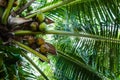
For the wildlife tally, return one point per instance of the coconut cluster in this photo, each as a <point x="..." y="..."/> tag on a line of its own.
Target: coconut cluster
<point x="39" y="24"/>
<point x="40" y="45"/>
<point x="17" y="22"/>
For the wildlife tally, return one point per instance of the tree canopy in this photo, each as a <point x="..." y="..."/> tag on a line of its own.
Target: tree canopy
<point x="60" y="39"/>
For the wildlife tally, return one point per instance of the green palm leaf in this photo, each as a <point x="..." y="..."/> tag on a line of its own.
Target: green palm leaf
<point x="93" y="17"/>
<point x="93" y="53"/>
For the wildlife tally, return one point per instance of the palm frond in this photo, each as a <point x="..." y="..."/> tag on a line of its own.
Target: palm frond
<point x="9" y="56"/>
<point x="96" y="17"/>
<point x="72" y="68"/>
<point x="78" y="57"/>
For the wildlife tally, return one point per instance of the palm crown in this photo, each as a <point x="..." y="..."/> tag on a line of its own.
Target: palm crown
<point x="85" y="35"/>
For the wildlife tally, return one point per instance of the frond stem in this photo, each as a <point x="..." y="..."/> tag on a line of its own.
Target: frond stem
<point x="87" y="67"/>
<point x="7" y="12"/>
<point x="95" y="37"/>
<point x="51" y="7"/>
<point x="42" y="57"/>
<point x="36" y="67"/>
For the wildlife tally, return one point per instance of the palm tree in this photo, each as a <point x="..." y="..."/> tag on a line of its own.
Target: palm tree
<point x="85" y="35"/>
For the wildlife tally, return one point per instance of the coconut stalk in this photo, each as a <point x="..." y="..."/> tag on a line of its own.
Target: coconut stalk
<point x="7" y="12"/>
<point x="95" y="37"/>
<point x="24" y="7"/>
<point x="34" y="65"/>
<point x="42" y="57"/>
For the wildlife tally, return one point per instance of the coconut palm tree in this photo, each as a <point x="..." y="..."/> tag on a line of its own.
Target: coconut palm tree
<point x="85" y="35"/>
